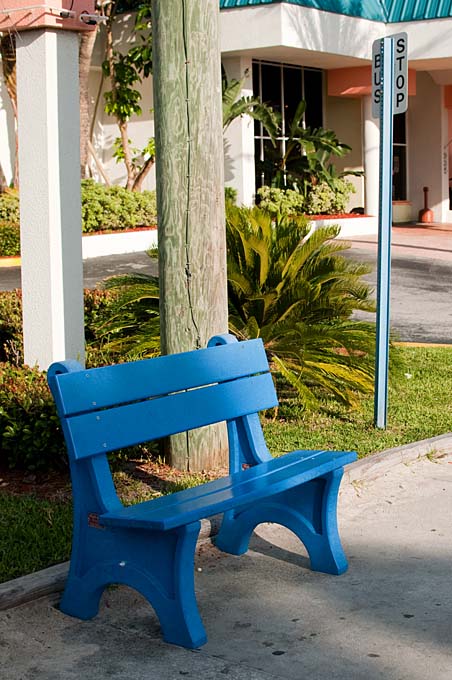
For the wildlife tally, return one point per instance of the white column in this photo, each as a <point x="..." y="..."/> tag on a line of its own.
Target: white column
<point x="50" y="205"/>
<point x="371" y="157"/>
<point x="239" y="170"/>
<point x="444" y="214"/>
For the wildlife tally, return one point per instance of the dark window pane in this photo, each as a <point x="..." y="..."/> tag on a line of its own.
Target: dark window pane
<point x="271" y="86"/>
<point x="256" y="79"/>
<point x="313" y="94"/>
<point x="257" y="93"/>
<point x="298" y="83"/>
<point x="258" y="164"/>
<point x="399" y="130"/>
<point x="265" y="164"/>
<point x="292" y="94"/>
<point x="399" y="174"/>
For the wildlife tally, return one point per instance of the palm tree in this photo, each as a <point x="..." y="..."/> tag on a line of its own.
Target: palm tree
<point x="133" y="327"/>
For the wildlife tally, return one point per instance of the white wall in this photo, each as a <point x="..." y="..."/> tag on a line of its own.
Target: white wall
<point x="239" y="170"/>
<point x="425" y="145"/>
<point x="278" y="26"/>
<point x="105" y="131"/>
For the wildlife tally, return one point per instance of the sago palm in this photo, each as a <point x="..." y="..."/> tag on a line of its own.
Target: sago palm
<point x="297" y="292"/>
<point x="133" y="329"/>
<point x="292" y="288"/>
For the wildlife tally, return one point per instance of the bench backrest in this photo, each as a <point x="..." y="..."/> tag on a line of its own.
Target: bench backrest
<point x="113" y="407"/>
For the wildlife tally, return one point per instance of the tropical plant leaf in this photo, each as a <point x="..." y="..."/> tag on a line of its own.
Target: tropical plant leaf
<point x="235" y="106"/>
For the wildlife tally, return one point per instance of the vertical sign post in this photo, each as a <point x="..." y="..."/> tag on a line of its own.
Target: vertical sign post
<point x="389" y="96"/>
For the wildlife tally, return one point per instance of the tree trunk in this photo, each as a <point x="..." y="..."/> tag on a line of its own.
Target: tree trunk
<point x="143" y="173"/>
<point x="87" y="40"/>
<point x="190" y="195"/>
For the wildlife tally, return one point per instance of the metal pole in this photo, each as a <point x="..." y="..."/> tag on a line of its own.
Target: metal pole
<point x="384" y="234"/>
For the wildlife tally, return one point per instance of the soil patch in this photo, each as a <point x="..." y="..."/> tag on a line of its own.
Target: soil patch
<point x="133" y="479"/>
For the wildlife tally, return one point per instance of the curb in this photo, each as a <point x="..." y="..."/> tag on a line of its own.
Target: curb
<point x="103" y="244"/>
<point x="10" y="261"/>
<point x="379" y="464"/>
<point x="51" y="580"/>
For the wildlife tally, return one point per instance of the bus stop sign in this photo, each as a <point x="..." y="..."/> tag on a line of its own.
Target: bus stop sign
<point x="400" y="98"/>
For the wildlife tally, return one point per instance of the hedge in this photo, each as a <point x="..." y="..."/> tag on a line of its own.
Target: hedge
<point x="30" y="434"/>
<point x="103" y="209"/>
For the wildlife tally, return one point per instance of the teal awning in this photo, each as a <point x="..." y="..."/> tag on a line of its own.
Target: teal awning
<point x="387" y="11"/>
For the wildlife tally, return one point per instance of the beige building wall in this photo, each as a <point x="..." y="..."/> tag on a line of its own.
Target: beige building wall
<point x="343" y="115"/>
<point x="425" y="145"/>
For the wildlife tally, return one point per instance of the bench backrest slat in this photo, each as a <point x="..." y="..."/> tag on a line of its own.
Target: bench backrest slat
<point x="127" y="425"/>
<point x="87" y="390"/>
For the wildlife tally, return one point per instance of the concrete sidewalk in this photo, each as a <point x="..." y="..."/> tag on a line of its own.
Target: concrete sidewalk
<point x="433" y="242"/>
<point x="268" y="616"/>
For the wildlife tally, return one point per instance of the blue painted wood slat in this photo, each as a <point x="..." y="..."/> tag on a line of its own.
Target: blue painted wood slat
<point x="111" y="385"/>
<point x="242" y="488"/>
<point x="116" y="428"/>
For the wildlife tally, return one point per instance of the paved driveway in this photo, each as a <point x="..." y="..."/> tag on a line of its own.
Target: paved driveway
<point x="421" y="292"/>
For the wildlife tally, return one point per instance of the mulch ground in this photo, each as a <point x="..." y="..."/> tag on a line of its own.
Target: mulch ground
<point x="133" y="476"/>
<point x="50" y="486"/>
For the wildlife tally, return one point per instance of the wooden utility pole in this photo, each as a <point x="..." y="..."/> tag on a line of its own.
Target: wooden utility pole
<point x="190" y="195"/>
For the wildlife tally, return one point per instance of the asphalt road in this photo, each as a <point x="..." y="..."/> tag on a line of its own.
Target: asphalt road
<point x="421" y="296"/>
<point x="95" y="270"/>
<point x="421" y="287"/>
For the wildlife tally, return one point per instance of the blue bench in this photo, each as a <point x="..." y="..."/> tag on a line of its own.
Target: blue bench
<point x="150" y="546"/>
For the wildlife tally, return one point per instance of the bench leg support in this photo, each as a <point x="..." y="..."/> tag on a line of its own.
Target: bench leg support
<point x="160" y="565"/>
<point x="309" y="510"/>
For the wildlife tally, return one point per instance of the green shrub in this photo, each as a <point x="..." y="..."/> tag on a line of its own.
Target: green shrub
<point x="9" y="239"/>
<point x="103" y="209"/>
<point x="98" y="310"/>
<point x="9" y="206"/>
<point x="323" y="200"/>
<point x="230" y="195"/>
<point x="11" y="344"/>
<point x="281" y="201"/>
<point x="98" y="305"/>
<point x="115" y="208"/>
<point x="30" y="433"/>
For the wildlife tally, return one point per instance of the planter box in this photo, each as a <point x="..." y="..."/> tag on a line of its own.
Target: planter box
<point x="402" y="212"/>
<point x="119" y="242"/>
<point x="351" y="225"/>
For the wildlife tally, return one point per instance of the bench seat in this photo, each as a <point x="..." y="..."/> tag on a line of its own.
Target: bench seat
<point x="233" y="491"/>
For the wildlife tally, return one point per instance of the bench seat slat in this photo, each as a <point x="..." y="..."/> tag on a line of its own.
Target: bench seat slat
<point x="108" y="386"/>
<point x="222" y="483"/>
<point x="116" y="428"/>
<point x="233" y="491"/>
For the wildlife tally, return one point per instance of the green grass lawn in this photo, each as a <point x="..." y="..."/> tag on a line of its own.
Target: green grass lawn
<point x="419" y="406"/>
<point x="35" y="533"/>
